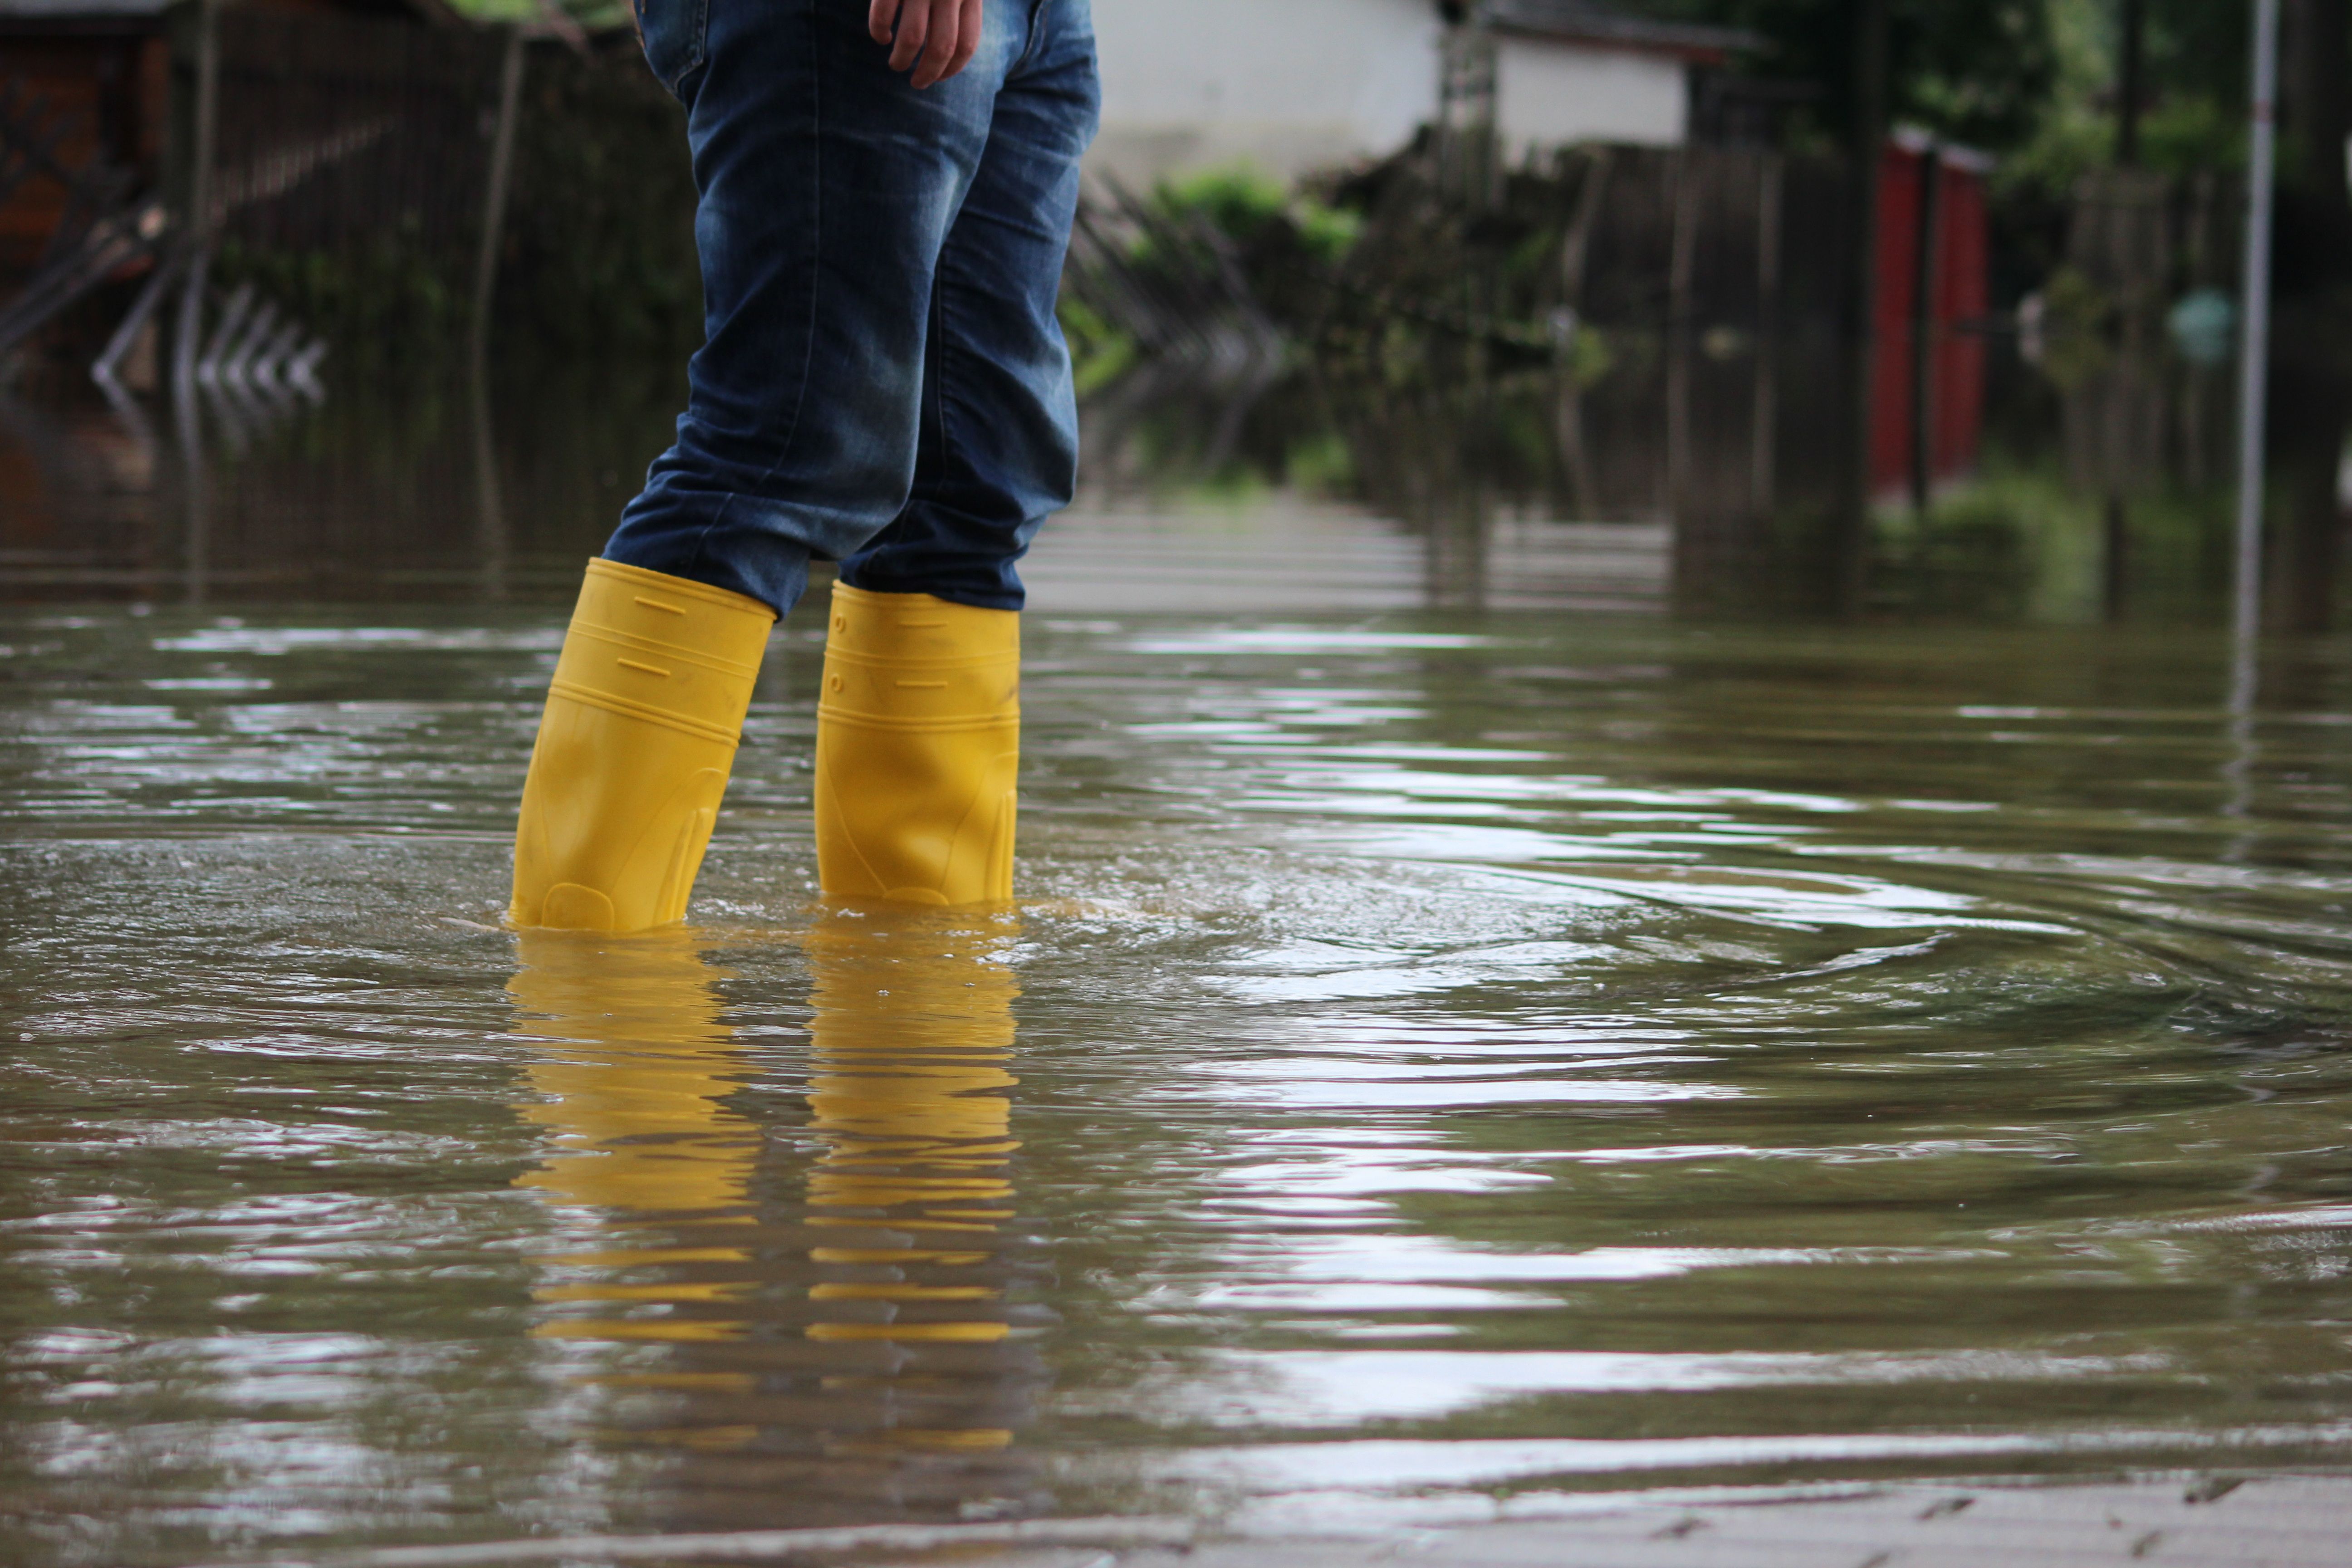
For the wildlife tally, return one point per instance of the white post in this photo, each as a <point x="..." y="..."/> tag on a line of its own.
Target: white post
<point x="2254" y="358"/>
<point x="2254" y="409"/>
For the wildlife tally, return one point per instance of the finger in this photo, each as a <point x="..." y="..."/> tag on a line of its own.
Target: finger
<point x="914" y="27"/>
<point x="882" y="19"/>
<point x="967" y="39"/>
<point x="945" y="29"/>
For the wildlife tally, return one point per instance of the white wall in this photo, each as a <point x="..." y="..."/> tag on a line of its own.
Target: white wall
<point x="1293" y="84"/>
<point x="1296" y="85"/>
<point x="1551" y="94"/>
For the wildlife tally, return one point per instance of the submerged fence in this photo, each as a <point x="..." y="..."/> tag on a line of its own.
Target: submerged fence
<point x="381" y="179"/>
<point x="1712" y="273"/>
<point x="1721" y="274"/>
<point x="352" y="157"/>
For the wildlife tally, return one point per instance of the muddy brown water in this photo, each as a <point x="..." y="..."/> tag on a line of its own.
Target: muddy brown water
<point x="1553" y="1046"/>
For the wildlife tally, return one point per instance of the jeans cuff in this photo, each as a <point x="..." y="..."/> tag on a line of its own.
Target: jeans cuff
<point x="761" y="565"/>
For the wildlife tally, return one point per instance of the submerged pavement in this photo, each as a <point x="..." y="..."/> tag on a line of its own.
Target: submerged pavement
<point x="2175" y="1519"/>
<point x="2194" y="1520"/>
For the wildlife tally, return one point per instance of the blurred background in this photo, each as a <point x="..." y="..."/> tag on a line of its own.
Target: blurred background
<point x="1709" y="305"/>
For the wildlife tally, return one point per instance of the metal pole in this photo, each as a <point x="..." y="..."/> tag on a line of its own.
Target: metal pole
<point x="2254" y="358"/>
<point x="1681" y="320"/>
<point x="2254" y="409"/>
<point x="1765" y="410"/>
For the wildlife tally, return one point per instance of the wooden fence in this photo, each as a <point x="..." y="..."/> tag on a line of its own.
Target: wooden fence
<point x="347" y="164"/>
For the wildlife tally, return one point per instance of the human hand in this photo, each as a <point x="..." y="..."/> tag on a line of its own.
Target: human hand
<point x="933" y="38"/>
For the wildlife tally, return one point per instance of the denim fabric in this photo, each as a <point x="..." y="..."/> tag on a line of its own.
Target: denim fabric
<point x="884" y="382"/>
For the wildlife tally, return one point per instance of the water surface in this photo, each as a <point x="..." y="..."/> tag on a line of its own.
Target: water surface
<point x="1435" y="1053"/>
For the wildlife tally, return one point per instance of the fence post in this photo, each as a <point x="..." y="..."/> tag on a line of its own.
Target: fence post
<point x="203" y="144"/>
<point x="1766" y="410"/>
<point x="1576" y="247"/>
<point x="1683" y="175"/>
<point x="1926" y="339"/>
<point x="492" y="519"/>
<point x="494" y="198"/>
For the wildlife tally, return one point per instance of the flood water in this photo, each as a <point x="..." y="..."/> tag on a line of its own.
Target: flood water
<point x="1474" y="1026"/>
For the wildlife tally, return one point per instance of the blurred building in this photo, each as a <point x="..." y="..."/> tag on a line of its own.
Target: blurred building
<point x="1307" y="84"/>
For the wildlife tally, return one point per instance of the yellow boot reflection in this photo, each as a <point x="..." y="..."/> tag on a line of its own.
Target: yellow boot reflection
<point x="912" y="1036"/>
<point x="631" y="1071"/>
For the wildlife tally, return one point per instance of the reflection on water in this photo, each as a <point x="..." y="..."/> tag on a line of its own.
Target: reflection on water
<point x="850" y="1336"/>
<point x="1686" y="472"/>
<point x="630" y="1080"/>
<point x="434" y="490"/>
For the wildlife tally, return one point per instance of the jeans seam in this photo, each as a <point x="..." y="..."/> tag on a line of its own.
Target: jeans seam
<point x="699" y="31"/>
<point x="943" y="346"/>
<point x="808" y="335"/>
<point x="701" y="44"/>
<point x="1029" y="46"/>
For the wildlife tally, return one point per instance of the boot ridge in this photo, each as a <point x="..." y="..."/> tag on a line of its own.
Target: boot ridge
<point x="646" y="712"/>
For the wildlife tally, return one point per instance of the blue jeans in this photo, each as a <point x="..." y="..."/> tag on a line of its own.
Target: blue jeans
<point x="883" y="383"/>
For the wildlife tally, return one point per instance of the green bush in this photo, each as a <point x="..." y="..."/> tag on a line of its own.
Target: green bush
<point x="1099" y="353"/>
<point x="387" y="305"/>
<point x="1246" y="203"/>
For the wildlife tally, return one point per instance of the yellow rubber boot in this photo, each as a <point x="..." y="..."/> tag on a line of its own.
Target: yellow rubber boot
<point x="918" y="743"/>
<point x="634" y="750"/>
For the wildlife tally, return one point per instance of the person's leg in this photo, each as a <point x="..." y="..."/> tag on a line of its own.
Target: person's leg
<point x="999" y="448"/>
<point x="919" y="729"/>
<point x="829" y="184"/>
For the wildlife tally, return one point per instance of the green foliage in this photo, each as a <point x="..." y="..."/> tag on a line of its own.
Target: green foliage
<point x="1320" y="463"/>
<point x="1971" y="554"/>
<point x="388" y="305"/>
<point x="592" y="14"/>
<point x="2032" y="80"/>
<point x="2197" y="49"/>
<point x="2078" y="325"/>
<point x="1591" y="356"/>
<point x="1099" y="353"/>
<point x="2021" y="542"/>
<point x="2192" y="112"/>
<point x="1329" y="233"/>
<point x="1974" y="71"/>
<point x="2187" y="132"/>
<point x="1244" y="201"/>
<point x="1240" y="199"/>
